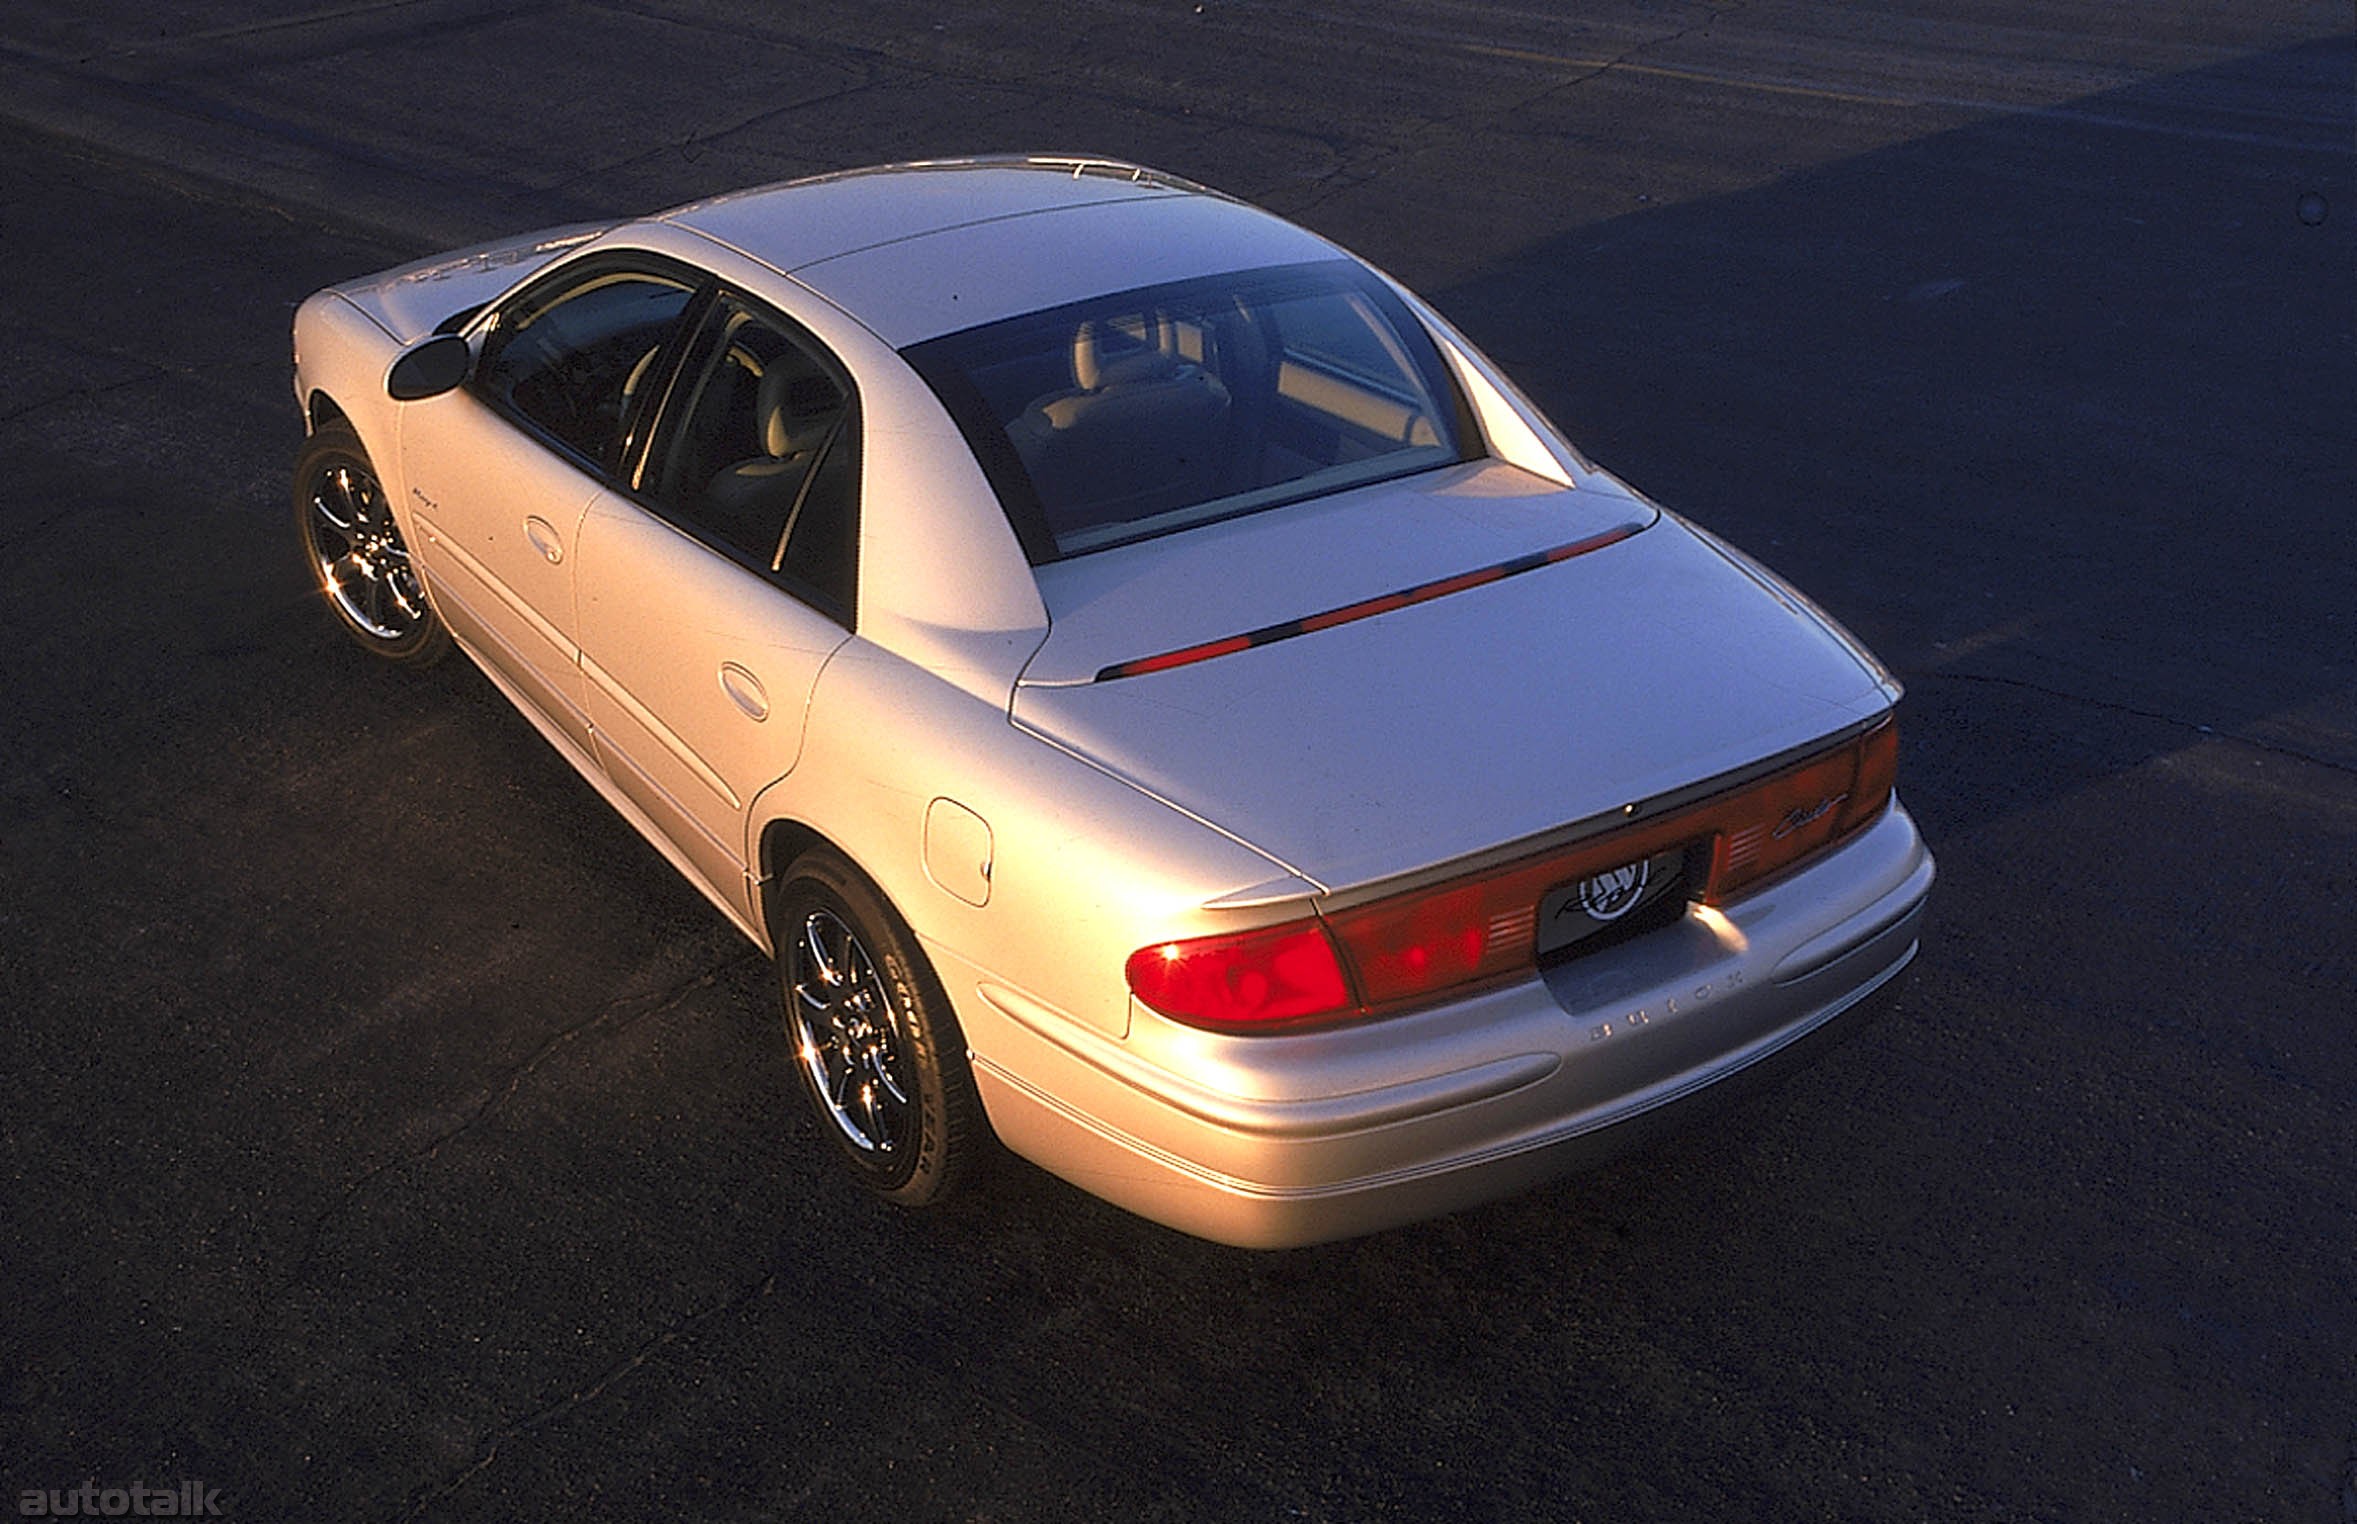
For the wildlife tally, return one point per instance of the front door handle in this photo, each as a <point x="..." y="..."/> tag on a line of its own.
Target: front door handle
<point x="744" y="690"/>
<point x="543" y="536"/>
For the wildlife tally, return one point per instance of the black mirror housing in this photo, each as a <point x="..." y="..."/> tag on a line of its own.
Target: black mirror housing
<point x="429" y="369"/>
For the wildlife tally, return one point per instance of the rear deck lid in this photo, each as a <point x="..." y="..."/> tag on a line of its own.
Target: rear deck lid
<point x="1262" y="675"/>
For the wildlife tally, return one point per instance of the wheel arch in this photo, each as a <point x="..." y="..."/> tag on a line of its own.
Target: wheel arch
<point x="320" y="410"/>
<point x="340" y="361"/>
<point x="783" y="840"/>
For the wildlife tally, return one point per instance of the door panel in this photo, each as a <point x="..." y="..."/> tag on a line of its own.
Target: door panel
<point x="501" y="470"/>
<point x="700" y="599"/>
<point x="498" y="514"/>
<point x="680" y="646"/>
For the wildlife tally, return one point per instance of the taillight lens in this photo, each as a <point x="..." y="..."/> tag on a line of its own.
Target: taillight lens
<point x="1772" y="825"/>
<point x="1458" y="936"/>
<point x="1430" y="944"/>
<point x="1276" y="976"/>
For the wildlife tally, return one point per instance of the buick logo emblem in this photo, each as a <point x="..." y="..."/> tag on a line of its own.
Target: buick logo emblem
<point x="1613" y="893"/>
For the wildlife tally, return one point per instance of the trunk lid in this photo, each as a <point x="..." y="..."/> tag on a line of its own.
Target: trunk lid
<point x="1402" y="739"/>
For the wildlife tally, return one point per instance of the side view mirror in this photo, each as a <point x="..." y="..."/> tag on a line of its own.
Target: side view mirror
<point x="429" y="369"/>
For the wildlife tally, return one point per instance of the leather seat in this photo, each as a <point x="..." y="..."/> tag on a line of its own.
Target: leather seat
<point x="793" y="414"/>
<point x="1142" y="430"/>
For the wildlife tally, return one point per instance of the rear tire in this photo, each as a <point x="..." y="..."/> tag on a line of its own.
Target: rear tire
<point x="876" y="1046"/>
<point x="356" y="554"/>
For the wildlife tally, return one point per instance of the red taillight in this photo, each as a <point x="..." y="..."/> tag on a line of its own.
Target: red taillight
<point x="1878" y="776"/>
<point x="1455" y="937"/>
<point x="1425" y="945"/>
<point x="1773" y="824"/>
<point x="1276" y="976"/>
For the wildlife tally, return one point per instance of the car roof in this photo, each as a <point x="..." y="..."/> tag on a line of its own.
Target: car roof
<point x="918" y="250"/>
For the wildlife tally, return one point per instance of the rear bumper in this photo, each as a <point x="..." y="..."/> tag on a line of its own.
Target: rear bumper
<point x="1294" y="1140"/>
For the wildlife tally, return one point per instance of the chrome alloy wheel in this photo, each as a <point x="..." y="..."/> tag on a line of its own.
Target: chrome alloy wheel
<point x="848" y="1038"/>
<point x="359" y="555"/>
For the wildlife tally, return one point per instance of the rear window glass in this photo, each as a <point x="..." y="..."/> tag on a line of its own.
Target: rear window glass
<point x="1151" y="411"/>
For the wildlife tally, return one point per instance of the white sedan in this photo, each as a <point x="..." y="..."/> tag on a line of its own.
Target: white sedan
<point x="1163" y="698"/>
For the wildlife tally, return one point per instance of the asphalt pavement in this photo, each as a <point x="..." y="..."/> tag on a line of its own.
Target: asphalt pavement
<point x="389" y="1135"/>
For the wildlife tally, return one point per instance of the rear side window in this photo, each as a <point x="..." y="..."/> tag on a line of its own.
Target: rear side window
<point x="572" y="360"/>
<point x="759" y="450"/>
<point x="1155" y="410"/>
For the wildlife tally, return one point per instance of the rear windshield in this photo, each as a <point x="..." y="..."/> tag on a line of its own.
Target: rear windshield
<point x="1134" y="415"/>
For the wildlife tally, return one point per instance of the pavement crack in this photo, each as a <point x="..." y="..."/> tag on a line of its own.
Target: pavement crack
<point x="621" y="1014"/>
<point x="87" y="393"/>
<point x="1349" y="172"/>
<point x="693" y="144"/>
<point x="487" y="1449"/>
<point x="2114" y="706"/>
<point x="1594" y="69"/>
<point x="237" y="32"/>
<point x="38" y="527"/>
<point x="40" y="776"/>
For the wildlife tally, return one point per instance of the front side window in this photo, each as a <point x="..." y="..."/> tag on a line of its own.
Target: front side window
<point x="758" y="454"/>
<point x="571" y="360"/>
<point x="1124" y="417"/>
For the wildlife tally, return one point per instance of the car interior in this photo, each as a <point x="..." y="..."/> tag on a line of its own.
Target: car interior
<point x="761" y="413"/>
<point x="1140" y="414"/>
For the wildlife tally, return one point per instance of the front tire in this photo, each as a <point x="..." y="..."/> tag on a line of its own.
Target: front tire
<point x="356" y="554"/>
<point x="878" y="1050"/>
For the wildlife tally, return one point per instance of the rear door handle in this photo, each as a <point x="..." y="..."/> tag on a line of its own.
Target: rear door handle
<point x="744" y="690"/>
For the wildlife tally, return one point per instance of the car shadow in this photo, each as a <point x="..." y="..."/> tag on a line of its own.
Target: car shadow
<point x="2051" y="409"/>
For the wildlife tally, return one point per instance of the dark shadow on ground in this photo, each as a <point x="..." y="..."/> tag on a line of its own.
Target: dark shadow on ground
<point x="2060" y="399"/>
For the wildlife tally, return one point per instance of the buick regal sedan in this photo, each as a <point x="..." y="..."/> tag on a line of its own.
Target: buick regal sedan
<point x="1164" y="700"/>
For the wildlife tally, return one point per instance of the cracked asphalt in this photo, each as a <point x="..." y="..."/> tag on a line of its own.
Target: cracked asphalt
<point x="389" y="1136"/>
